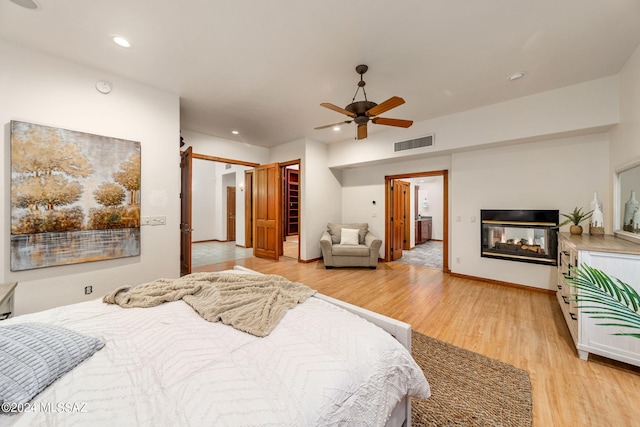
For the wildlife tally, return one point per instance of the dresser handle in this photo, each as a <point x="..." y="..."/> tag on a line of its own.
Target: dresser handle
<point x="559" y="286"/>
<point x="4" y="316"/>
<point x="573" y="316"/>
<point x="564" y="298"/>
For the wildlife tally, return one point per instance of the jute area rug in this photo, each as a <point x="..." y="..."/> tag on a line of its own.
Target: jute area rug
<point x="469" y="389"/>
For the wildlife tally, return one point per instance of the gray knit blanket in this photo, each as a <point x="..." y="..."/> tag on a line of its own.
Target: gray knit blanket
<point x="248" y="302"/>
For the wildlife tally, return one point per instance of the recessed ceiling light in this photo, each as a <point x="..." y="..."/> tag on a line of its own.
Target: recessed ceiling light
<point x="336" y="128"/>
<point x="235" y="132"/>
<point x="516" y="76"/>
<point x="121" y="41"/>
<point x="29" y="4"/>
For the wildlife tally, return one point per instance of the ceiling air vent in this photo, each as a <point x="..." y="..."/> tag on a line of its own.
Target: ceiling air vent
<point x="425" y="141"/>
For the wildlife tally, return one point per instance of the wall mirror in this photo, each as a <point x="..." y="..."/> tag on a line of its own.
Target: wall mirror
<point x="627" y="202"/>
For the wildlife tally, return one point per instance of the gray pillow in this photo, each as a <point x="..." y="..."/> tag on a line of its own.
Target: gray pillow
<point x="33" y="355"/>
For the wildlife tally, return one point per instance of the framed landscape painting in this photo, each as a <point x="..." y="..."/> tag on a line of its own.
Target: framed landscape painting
<point x="75" y="197"/>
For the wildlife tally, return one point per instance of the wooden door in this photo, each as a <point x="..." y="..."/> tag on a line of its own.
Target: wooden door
<point x="406" y="220"/>
<point x="231" y="214"/>
<point x="398" y="208"/>
<point x="186" y="163"/>
<point x="248" y="209"/>
<point x="267" y="234"/>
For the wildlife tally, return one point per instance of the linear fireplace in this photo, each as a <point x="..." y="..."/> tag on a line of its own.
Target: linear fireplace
<point x="520" y="235"/>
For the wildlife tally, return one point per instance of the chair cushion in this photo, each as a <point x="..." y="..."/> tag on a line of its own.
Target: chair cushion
<point x="335" y="230"/>
<point x="349" y="236"/>
<point x="349" y="250"/>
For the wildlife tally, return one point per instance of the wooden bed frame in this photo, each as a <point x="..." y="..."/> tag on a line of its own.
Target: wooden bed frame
<point x="401" y="414"/>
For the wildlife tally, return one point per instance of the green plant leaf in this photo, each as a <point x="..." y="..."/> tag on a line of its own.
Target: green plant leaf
<point x="616" y="301"/>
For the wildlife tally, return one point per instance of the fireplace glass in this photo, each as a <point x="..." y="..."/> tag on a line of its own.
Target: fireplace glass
<point x="520" y="235"/>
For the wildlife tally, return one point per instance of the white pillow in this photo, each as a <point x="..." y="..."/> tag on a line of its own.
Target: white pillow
<point x="349" y="236"/>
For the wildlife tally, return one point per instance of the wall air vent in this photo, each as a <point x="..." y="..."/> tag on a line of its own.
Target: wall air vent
<point x="227" y="165"/>
<point x="425" y="141"/>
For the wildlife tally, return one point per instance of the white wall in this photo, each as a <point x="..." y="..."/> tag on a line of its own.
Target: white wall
<point x="50" y="91"/>
<point x="559" y="174"/>
<point x="581" y="108"/>
<point x="321" y="198"/>
<point x="203" y="206"/>
<point x="625" y="138"/>
<point x="224" y="148"/>
<point x="432" y="188"/>
<point x="364" y="185"/>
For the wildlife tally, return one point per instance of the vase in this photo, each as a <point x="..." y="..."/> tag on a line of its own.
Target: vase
<point x="635" y="226"/>
<point x="576" y="230"/>
<point x="630" y="208"/>
<point x="596" y="225"/>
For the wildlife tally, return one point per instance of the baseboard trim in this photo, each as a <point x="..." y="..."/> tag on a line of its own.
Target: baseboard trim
<point x="307" y="261"/>
<point x="501" y="283"/>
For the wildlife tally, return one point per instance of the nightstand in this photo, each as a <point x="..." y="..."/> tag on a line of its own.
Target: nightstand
<point x="6" y="299"/>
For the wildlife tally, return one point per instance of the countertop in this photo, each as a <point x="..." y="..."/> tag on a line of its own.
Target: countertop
<point x="605" y="243"/>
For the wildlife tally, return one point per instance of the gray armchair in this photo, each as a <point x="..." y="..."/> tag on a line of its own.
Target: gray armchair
<point x="345" y="250"/>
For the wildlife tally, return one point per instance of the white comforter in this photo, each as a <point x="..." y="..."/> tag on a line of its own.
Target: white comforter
<point x="166" y="366"/>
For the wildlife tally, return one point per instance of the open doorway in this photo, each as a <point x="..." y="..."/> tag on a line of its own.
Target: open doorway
<point x="290" y="175"/>
<point x="218" y="215"/>
<point x="416" y="230"/>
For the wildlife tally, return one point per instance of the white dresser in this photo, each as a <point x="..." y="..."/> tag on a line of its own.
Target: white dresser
<point x="616" y="257"/>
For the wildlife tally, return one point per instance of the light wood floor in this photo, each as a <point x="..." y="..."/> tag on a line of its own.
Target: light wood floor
<point x="518" y="326"/>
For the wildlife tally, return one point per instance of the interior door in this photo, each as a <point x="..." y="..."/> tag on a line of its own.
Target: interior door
<point x="248" y="209"/>
<point x="267" y="233"/>
<point x="231" y="214"/>
<point x="398" y="190"/>
<point x="186" y="164"/>
<point x="406" y="200"/>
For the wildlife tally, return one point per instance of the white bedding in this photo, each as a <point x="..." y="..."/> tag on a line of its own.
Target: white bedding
<point x="166" y="366"/>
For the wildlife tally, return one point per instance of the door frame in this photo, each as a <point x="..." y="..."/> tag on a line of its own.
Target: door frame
<point x="186" y="181"/>
<point x="190" y="189"/>
<point x="231" y="211"/>
<point x="388" y="179"/>
<point x="248" y="208"/>
<point x="283" y="166"/>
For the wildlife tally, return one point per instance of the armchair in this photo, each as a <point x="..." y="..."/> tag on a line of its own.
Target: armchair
<point x="355" y="247"/>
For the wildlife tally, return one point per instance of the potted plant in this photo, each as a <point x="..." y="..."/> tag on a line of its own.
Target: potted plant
<point x="575" y="217"/>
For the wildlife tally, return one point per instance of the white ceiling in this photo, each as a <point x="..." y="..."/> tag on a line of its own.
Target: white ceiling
<point x="263" y="67"/>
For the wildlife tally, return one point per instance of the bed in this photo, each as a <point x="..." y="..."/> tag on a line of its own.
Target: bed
<point x="325" y="363"/>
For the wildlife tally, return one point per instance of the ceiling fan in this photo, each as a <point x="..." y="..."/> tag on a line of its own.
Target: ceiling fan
<point x="363" y="111"/>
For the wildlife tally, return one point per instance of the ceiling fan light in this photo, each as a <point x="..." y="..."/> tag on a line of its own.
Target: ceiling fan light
<point x="235" y="132"/>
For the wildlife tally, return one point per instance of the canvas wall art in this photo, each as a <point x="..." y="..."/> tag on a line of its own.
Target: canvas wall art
<point x="75" y="197"/>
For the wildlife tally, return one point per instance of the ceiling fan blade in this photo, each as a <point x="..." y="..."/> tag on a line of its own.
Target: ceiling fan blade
<point x="392" y="122"/>
<point x="387" y="105"/>
<point x="362" y="131"/>
<point x="335" y="124"/>
<point x="338" y="109"/>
